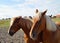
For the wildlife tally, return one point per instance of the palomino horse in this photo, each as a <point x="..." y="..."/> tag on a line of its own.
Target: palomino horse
<point x="50" y="31"/>
<point x="24" y="24"/>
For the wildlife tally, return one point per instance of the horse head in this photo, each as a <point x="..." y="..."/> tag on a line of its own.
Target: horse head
<point x="14" y="25"/>
<point x="39" y="25"/>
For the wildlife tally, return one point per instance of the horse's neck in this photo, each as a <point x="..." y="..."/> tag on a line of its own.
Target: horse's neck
<point x="26" y="25"/>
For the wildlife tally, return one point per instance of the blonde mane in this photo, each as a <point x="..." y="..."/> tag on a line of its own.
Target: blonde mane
<point x="51" y="26"/>
<point x="12" y="19"/>
<point x="37" y="16"/>
<point x="28" y="18"/>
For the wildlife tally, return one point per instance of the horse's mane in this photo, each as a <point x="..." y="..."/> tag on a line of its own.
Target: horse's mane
<point x="31" y="19"/>
<point x="37" y="16"/>
<point x="50" y="25"/>
<point x="29" y="24"/>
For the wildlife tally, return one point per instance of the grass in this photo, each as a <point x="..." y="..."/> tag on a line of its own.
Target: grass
<point x="5" y="23"/>
<point x="56" y="19"/>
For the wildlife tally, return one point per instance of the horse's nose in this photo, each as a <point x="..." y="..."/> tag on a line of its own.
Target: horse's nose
<point x="33" y="34"/>
<point x="11" y="33"/>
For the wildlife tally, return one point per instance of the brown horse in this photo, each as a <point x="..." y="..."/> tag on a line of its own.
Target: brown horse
<point x="24" y="24"/>
<point x="50" y="31"/>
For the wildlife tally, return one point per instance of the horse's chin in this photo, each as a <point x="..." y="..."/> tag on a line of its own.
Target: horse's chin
<point x="11" y="34"/>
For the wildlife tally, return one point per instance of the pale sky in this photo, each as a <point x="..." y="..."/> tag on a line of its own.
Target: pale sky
<point x="12" y="8"/>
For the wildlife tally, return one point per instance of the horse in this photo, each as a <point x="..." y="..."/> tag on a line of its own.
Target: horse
<point x="50" y="31"/>
<point x="25" y="24"/>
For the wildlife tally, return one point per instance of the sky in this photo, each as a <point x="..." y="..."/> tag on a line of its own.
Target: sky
<point x="13" y="8"/>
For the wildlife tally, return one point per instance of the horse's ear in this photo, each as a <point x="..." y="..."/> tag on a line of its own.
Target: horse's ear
<point x="36" y="10"/>
<point x="44" y="13"/>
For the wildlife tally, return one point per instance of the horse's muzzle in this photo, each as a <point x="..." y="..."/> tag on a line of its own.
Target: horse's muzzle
<point x="11" y="33"/>
<point x="33" y="36"/>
